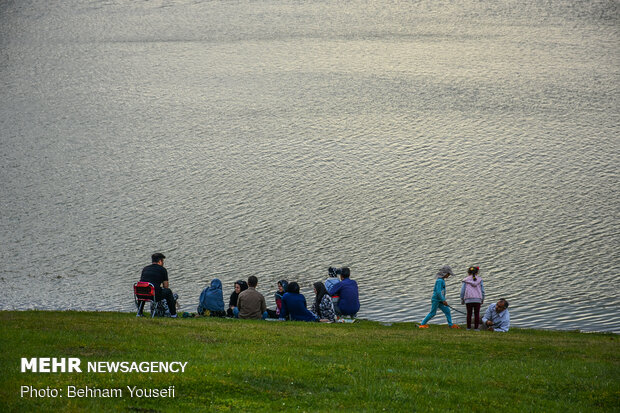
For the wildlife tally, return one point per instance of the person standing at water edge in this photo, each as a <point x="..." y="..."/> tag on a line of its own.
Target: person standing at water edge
<point x="349" y="303"/>
<point x="497" y="318"/>
<point x="472" y="295"/>
<point x="157" y="275"/>
<point x="438" y="300"/>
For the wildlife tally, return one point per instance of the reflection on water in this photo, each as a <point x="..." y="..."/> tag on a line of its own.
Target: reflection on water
<point x="277" y="139"/>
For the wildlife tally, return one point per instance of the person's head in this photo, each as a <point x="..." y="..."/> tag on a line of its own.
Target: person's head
<point x="444" y="272"/>
<point x="473" y="271"/>
<point x="216" y="284"/>
<point x="320" y="291"/>
<point x="319" y="288"/>
<point x="293" y="288"/>
<point x="240" y="285"/>
<point x="346" y="273"/>
<point x="501" y="305"/>
<point x="282" y="284"/>
<point x="252" y="281"/>
<point x="158" y="258"/>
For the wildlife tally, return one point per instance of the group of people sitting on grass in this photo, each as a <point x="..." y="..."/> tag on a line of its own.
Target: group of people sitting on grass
<point x="330" y="305"/>
<point x="335" y="299"/>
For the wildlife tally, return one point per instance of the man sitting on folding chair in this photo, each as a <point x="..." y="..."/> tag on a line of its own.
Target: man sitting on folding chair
<point x="157" y="275"/>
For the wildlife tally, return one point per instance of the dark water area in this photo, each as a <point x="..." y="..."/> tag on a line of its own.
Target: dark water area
<point x="278" y="138"/>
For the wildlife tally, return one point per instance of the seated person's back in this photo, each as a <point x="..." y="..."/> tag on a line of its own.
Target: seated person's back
<point x="349" y="303"/>
<point x="294" y="305"/>
<point x="251" y="303"/>
<point x="212" y="299"/>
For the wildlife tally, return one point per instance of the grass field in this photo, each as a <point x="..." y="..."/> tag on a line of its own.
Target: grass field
<point x="248" y="366"/>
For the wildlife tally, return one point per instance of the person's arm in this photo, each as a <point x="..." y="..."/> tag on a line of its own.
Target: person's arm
<point x="335" y="289"/>
<point x="164" y="282"/>
<point x="487" y="316"/>
<point x="504" y="324"/>
<point x="440" y="284"/>
<point x="463" y="293"/>
<point x="283" y="310"/>
<point x="482" y="289"/>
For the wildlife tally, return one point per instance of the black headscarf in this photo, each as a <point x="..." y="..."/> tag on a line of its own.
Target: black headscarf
<point x="278" y="295"/>
<point x="233" y="297"/>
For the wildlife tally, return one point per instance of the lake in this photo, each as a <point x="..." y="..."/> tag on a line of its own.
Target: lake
<point x="277" y="138"/>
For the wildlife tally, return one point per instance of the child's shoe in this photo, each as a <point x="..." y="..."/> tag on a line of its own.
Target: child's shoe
<point x="423" y="326"/>
<point x="454" y="326"/>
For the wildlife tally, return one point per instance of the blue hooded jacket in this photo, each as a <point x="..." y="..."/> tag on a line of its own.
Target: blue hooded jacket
<point x="212" y="298"/>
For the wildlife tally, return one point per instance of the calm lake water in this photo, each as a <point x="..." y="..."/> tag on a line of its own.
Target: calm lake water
<point x="277" y="138"/>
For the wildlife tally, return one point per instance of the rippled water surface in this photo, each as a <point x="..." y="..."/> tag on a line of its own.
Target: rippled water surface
<point x="277" y="138"/>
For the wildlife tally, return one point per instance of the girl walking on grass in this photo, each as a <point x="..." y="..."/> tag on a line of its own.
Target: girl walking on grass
<point x="438" y="300"/>
<point x="472" y="295"/>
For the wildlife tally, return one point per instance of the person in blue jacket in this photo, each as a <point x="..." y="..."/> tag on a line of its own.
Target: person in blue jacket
<point x="294" y="305"/>
<point x="212" y="300"/>
<point x="346" y="289"/>
<point x="438" y="300"/>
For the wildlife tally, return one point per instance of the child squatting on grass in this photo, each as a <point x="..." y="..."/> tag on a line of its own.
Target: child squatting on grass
<point x="438" y="298"/>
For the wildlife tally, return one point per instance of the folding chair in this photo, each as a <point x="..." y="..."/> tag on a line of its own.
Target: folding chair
<point x="144" y="292"/>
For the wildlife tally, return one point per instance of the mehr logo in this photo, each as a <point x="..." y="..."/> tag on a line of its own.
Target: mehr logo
<point x="51" y="365"/>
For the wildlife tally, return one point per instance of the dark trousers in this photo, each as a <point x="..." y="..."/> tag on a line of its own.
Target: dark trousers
<point x="476" y="309"/>
<point x="166" y="294"/>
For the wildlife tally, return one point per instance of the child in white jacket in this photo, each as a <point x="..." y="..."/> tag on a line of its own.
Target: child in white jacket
<point x="472" y="295"/>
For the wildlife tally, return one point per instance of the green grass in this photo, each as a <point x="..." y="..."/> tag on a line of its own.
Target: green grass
<point x="236" y="365"/>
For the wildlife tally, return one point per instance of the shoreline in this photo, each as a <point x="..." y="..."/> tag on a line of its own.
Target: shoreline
<point x="384" y="323"/>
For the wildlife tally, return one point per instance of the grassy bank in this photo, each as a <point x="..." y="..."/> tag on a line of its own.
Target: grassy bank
<point x="238" y="365"/>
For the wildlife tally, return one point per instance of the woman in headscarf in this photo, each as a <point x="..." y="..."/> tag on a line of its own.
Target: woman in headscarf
<point x="282" y="286"/>
<point x="323" y="306"/>
<point x="240" y="285"/>
<point x="212" y="300"/>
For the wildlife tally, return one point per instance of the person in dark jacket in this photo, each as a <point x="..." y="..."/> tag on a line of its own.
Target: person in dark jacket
<point x="240" y="285"/>
<point x="157" y="275"/>
<point x="294" y="305"/>
<point x="212" y="300"/>
<point x="349" y="303"/>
